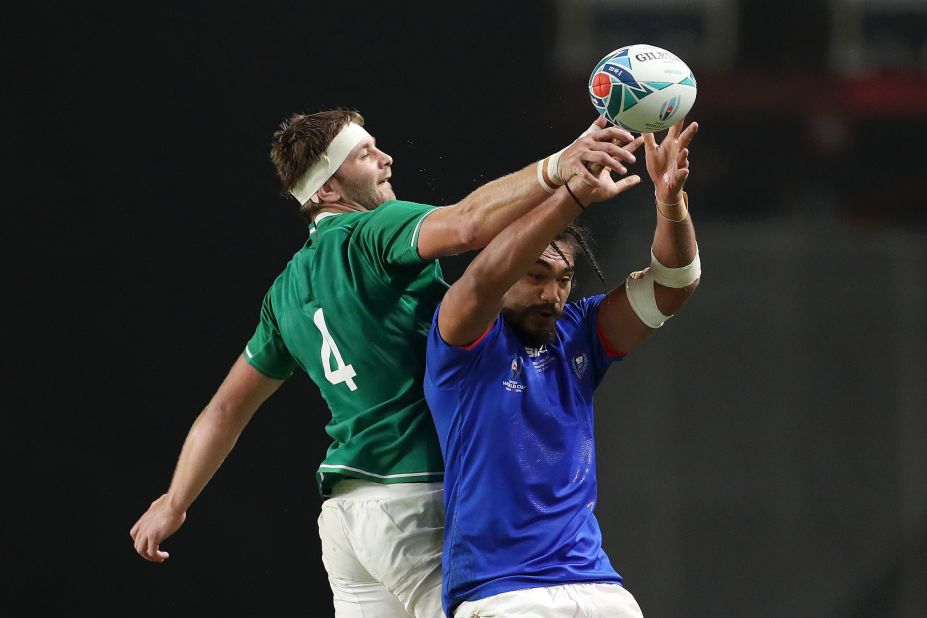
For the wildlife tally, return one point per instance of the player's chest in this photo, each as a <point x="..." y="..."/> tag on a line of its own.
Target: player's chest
<point x="549" y="373"/>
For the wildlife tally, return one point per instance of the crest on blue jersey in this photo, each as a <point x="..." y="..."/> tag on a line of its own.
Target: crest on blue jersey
<point x="514" y="383"/>
<point x="517" y="364"/>
<point x="580" y="363"/>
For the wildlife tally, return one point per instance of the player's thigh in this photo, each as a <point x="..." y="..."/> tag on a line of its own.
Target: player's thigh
<point x="592" y="600"/>
<point x="406" y="550"/>
<point x="338" y="554"/>
<point x="356" y="593"/>
<point x="363" y="600"/>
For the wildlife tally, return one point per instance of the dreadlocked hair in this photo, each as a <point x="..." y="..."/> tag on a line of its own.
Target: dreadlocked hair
<point x="579" y="237"/>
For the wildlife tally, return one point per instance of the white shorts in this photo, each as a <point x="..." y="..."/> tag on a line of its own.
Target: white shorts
<point x="568" y="601"/>
<point x="381" y="546"/>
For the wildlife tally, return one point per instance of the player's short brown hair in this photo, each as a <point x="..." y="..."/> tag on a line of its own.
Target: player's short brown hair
<point x="300" y="141"/>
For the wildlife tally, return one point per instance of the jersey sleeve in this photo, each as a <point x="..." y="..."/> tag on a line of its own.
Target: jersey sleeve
<point x="266" y="351"/>
<point x="390" y="234"/>
<point x="447" y="365"/>
<point x="585" y="313"/>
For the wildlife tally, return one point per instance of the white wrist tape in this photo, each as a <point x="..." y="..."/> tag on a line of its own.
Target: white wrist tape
<point x="541" y="180"/>
<point x="639" y="287"/>
<point x="551" y="165"/>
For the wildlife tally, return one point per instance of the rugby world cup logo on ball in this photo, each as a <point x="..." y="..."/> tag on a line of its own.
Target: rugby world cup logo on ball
<point x="642" y="88"/>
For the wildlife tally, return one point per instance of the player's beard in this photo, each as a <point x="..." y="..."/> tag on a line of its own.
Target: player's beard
<point x="532" y="328"/>
<point x="368" y="195"/>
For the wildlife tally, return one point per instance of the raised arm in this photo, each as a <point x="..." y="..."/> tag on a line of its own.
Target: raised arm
<point x="209" y="441"/>
<point x="627" y="322"/>
<point x="478" y="218"/>
<point x="473" y="302"/>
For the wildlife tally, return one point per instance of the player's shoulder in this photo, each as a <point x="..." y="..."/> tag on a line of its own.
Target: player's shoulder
<point x="400" y="209"/>
<point x="393" y="226"/>
<point x="294" y="265"/>
<point x="579" y="310"/>
<point x="387" y="214"/>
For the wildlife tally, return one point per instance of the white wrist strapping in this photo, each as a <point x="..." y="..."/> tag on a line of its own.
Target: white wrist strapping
<point x="639" y="287"/>
<point x="542" y="176"/>
<point x="549" y="168"/>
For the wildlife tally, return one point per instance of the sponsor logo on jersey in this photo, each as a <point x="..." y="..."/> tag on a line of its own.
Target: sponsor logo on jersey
<point x="516" y="368"/>
<point x="580" y="363"/>
<point x="535" y="352"/>
<point x="540" y="358"/>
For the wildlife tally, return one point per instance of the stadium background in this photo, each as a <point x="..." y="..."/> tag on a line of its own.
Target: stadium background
<point x="764" y="455"/>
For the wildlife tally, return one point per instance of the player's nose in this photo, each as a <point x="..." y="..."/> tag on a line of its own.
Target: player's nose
<point x="385" y="159"/>
<point x="550" y="293"/>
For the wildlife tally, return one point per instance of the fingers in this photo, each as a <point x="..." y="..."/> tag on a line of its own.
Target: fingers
<point x="146" y="543"/>
<point x="153" y="553"/>
<point x="141" y="547"/>
<point x="626" y="183"/>
<point x="606" y="159"/>
<point x="686" y="136"/>
<point x="682" y="159"/>
<point x="613" y="134"/>
<point x="599" y="160"/>
<point x="676" y="133"/>
<point x="604" y="154"/>
<point x="635" y="144"/>
<point x="618" y="152"/>
<point x="596" y="169"/>
<point x="583" y="172"/>
<point x="679" y="180"/>
<point x="650" y="144"/>
<point x="601" y="122"/>
<point x="150" y="549"/>
<point x="623" y="152"/>
<point x="156" y="555"/>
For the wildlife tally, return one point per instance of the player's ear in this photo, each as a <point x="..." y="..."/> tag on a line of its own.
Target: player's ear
<point x="328" y="193"/>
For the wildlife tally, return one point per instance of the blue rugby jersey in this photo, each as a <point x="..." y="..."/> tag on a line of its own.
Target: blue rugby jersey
<point x="516" y="430"/>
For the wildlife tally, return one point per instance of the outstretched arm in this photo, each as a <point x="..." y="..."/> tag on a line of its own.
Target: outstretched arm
<point x="478" y="218"/>
<point x="209" y="441"/>
<point x="674" y="243"/>
<point x="473" y="302"/>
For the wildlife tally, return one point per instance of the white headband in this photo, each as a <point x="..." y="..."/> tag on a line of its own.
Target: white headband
<point x="323" y="169"/>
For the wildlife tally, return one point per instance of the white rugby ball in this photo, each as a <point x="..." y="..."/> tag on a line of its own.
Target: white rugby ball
<point x="642" y="88"/>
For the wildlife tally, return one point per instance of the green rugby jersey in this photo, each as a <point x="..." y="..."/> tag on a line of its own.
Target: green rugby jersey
<point x="353" y="309"/>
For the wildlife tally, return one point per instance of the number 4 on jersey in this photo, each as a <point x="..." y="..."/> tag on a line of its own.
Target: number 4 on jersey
<point x="341" y="373"/>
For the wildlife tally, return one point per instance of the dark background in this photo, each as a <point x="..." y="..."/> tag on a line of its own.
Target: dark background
<point x="764" y="455"/>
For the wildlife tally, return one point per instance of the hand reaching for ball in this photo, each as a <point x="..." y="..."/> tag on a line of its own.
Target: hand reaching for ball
<point x="668" y="161"/>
